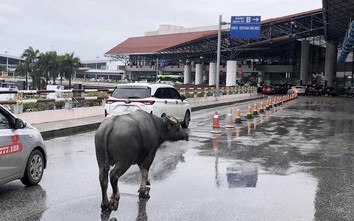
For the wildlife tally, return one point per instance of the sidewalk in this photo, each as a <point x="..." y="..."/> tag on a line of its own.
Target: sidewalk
<point x="63" y="122"/>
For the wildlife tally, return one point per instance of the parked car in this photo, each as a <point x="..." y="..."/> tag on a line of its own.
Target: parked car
<point x="22" y="151"/>
<point x="268" y="90"/>
<point x="300" y="90"/>
<point x="154" y="98"/>
<point x="314" y="90"/>
<point x="349" y="92"/>
<point x="330" y="91"/>
<point x="280" y="89"/>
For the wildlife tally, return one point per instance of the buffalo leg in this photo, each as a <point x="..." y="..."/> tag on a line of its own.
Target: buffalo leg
<point x="103" y="177"/>
<point x="118" y="170"/>
<point x="143" y="190"/>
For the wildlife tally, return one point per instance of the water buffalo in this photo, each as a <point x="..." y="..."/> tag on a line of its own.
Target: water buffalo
<point x="133" y="138"/>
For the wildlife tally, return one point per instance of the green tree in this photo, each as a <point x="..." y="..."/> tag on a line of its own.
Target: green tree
<point x="20" y="69"/>
<point x="2" y="68"/>
<point x="48" y="65"/>
<point x="68" y="64"/>
<point x="30" y="55"/>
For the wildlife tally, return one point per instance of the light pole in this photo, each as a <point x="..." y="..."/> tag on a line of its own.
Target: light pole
<point x="218" y="58"/>
<point x="157" y="68"/>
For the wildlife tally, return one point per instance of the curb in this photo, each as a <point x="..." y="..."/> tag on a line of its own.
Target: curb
<point x="224" y="103"/>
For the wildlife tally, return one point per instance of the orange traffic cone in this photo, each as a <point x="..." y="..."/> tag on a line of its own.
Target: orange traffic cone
<point x="275" y="102"/>
<point x="216" y="125"/>
<point x="229" y="123"/>
<point x="261" y="109"/>
<point x="238" y="116"/>
<point x="255" y="109"/>
<point x="249" y="112"/>
<point x="267" y="105"/>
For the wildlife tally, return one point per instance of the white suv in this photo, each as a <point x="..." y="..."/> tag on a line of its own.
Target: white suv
<point x="154" y="98"/>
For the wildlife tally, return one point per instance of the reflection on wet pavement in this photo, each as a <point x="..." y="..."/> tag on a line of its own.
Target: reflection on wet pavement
<point x="311" y="137"/>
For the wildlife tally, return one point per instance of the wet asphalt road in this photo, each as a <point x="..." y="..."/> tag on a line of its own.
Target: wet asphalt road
<point x="294" y="162"/>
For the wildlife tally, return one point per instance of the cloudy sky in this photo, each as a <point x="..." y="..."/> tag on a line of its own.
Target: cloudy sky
<point x="89" y="28"/>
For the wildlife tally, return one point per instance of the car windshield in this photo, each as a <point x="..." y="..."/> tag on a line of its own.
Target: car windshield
<point x="131" y="92"/>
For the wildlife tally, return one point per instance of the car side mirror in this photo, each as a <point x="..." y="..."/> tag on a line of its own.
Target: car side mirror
<point x="183" y="97"/>
<point x="19" y="123"/>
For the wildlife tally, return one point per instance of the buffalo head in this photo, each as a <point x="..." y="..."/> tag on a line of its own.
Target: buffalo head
<point x="174" y="129"/>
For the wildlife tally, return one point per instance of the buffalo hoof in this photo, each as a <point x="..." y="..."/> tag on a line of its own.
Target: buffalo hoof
<point x="148" y="183"/>
<point x="114" y="202"/>
<point x="105" y="206"/>
<point x="105" y="215"/>
<point x="144" y="194"/>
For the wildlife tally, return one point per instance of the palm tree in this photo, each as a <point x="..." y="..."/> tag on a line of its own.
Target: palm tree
<point x="20" y="69"/>
<point x="68" y="65"/>
<point x="30" y="56"/>
<point x="48" y="64"/>
<point x="2" y="68"/>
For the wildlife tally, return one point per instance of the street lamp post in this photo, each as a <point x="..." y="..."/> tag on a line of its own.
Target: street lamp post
<point x="218" y="58"/>
<point x="157" y="69"/>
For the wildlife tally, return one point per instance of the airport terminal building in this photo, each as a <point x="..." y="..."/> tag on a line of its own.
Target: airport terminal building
<point x="301" y="49"/>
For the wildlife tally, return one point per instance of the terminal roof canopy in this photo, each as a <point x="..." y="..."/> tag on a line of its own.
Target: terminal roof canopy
<point x="330" y="23"/>
<point x="156" y="43"/>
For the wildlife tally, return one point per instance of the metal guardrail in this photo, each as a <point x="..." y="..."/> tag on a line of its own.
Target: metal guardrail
<point x="18" y="98"/>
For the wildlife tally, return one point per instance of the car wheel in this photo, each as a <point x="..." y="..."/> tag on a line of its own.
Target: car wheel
<point x="186" y="120"/>
<point x="34" y="169"/>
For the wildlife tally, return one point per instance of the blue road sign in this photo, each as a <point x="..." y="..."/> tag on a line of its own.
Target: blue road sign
<point x="245" y="27"/>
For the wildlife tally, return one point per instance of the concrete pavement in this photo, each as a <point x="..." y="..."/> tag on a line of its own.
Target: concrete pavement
<point x="63" y="122"/>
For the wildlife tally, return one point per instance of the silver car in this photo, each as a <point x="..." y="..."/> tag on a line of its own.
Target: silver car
<point x="22" y="150"/>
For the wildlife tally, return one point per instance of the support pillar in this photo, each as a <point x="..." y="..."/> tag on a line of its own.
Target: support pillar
<point x="187" y="74"/>
<point x="305" y="57"/>
<point x="260" y="77"/>
<point x="212" y="73"/>
<point x="330" y="64"/>
<point x="198" y="74"/>
<point x="231" y="67"/>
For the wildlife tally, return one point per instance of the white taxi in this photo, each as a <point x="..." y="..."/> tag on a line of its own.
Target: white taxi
<point x="155" y="98"/>
<point x="22" y="151"/>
